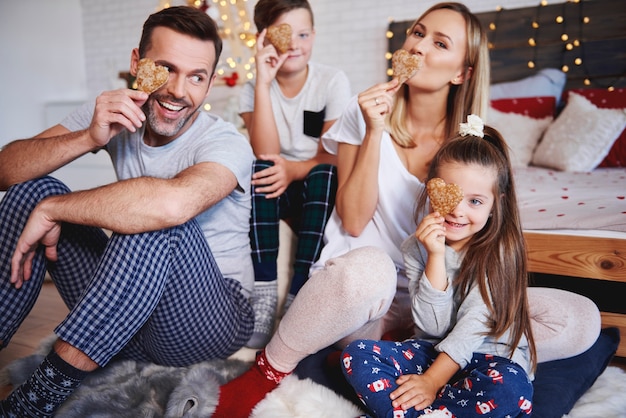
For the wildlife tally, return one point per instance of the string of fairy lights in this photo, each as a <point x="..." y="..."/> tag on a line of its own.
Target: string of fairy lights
<point x="573" y="51"/>
<point x="236" y="64"/>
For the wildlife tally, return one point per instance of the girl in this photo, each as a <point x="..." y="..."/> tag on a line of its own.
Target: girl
<point x="468" y="282"/>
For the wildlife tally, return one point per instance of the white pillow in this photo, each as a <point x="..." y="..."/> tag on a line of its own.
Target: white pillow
<point x="521" y="133"/>
<point x="547" y="82"/>
<point x="580" y="137"/>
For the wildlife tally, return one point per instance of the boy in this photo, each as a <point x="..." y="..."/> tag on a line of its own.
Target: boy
<point x="286" y="110"/>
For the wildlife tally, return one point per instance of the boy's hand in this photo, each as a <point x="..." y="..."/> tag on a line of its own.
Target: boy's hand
<point x="275" y="179"/>
<point x="268" y="60"/>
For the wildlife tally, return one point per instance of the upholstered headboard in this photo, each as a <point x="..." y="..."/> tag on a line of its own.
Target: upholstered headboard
<point x="587" y="38"/>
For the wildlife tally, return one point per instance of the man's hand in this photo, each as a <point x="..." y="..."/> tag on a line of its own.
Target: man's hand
<point x="274" y="180"/>
<point x="114" y="111"/>
<point x="39" y="230"/>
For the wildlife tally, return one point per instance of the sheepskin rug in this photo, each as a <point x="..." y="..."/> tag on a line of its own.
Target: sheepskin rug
<point x="131" y="389"/>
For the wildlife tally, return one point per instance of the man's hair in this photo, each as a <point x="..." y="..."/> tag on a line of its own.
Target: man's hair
<point x="267" y="11"/>
<point x="185" y="20"/>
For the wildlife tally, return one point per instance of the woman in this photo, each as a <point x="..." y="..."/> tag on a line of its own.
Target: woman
<point x="384" y="142"/>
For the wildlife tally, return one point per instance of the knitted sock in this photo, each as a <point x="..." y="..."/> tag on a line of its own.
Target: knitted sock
<point x="46" y="389"/>
<point x="264" y="301"/>
<point x="239" y="396"/>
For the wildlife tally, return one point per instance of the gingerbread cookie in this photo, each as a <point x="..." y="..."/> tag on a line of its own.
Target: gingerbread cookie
<point x="150" y="77"/>
<point x="280" y="37"/>
<point x="443" y="197"/>
<point x="405" y="64"/>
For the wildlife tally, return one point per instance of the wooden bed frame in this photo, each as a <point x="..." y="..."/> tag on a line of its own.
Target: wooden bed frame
<point x="602" y="48"/>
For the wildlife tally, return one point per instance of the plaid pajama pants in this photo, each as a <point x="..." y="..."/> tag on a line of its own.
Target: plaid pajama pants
<point x="155" y="296"/>
<point x="489" y="386"/>
<point x="308" y="202"/>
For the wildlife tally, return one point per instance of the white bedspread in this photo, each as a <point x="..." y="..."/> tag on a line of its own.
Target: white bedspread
<point x="551" y="199"/>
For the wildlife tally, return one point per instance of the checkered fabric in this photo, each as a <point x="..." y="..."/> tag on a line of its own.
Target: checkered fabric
<point x="307" y="203"/>
<point x="156" y="296"/>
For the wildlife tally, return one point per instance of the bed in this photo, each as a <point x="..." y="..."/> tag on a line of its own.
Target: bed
<point x="558" y="97"/>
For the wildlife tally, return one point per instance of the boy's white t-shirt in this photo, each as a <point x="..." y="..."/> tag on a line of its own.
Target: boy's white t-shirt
<point x="299" y="119"/>
<point x="398" y="189"/>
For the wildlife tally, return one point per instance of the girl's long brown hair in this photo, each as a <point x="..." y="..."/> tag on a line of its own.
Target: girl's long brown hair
<point x="495" y="257"/>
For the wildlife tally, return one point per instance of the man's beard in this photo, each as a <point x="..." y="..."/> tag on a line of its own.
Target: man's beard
<point x="157" y="126"/>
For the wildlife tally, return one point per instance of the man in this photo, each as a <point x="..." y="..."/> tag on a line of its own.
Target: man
<point x="171" y="284"/>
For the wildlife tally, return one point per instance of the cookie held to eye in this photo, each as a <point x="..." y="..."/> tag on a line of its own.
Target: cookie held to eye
<point x="443" y="197"/>
<point x="150" y="77"/>
<point x="280" y="37"/>
<point x="405" y="64"/>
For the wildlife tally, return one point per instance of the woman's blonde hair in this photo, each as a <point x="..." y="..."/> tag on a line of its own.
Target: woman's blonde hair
<point x="469" y="97"/>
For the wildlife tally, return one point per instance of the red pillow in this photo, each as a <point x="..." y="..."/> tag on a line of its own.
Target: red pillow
<point x="606" y="99"/>
<point x="533" y="107"/>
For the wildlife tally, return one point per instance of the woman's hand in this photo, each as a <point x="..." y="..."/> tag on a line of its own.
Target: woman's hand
<point x="376" y="102"/>
<point x="414" y="391"/>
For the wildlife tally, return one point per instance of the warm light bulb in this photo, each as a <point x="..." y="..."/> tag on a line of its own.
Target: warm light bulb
<point x="531" y="64"/>
<point x="576" y="42"/>
<point x="565" y="68"/>
<point x="611" y="88"/>
<point x="492" y="26"/>
<point x="388" y="55"/>
<point x="389" y="34"/>
<point x="586" y="19"/>
<point x="578" y="61"/>
<point x="559" y="19"/>
<point x="564" y="37"/>
<point x="531" y="42"/>
<point x="569" y="47"/>
<point x="535" y="25"/>
<point x="389" y="72"/>
<point x="544" y="2"/>
<point x="207" y="107"/>
<point x="587" y="82"/>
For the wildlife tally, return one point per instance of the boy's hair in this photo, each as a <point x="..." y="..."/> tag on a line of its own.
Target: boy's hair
<point x="185" y="20"/>
<point x="470" y="97"/>
<point x="495" y="257"/>
<point x="266" y="12"/>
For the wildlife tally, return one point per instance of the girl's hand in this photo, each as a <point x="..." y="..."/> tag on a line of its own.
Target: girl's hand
<point x="376" y="102"/>
<point x="414" y="391"/>
<point x="432" y="233"/>
<point x="275" y="179"/>
<point x="267" y="60"/>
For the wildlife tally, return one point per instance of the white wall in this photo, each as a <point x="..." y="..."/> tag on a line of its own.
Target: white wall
<point x="58" y="53"/>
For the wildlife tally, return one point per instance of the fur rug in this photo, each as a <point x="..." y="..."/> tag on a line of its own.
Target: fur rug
<point x="129" y="389"/>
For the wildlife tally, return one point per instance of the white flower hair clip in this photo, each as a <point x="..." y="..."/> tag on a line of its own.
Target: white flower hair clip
<point x="474" y="126"/>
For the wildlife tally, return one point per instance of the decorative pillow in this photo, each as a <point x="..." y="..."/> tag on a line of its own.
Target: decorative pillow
<point x="547" y="82"/>
<point x="558" y="384"/>
<point x="605" y="99"/>
<point x="580" y="137"/>
<point x="520" y="132"/>
<point x="533" y="107"/>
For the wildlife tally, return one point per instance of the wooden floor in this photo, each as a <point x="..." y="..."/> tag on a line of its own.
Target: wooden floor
<point x="50" y="311"/>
